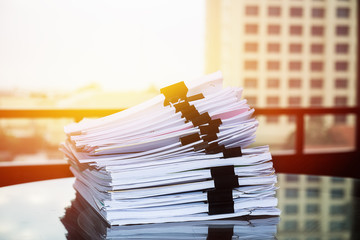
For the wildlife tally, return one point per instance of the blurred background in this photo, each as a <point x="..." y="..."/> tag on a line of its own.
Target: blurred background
<point x="93" y="55"/>
<point x="114" y="54"/>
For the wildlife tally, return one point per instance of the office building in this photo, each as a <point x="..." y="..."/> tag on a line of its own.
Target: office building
<point x="286" y="53"/>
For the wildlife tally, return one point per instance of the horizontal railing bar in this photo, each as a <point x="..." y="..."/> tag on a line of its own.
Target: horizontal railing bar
<point x="79" y="113"/>
<point x="310" y="110"/>
<point x="56" y="113"/>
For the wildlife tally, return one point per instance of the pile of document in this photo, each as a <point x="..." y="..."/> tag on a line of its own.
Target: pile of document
<point x="181" y="156"/>
<point x="83" y="222"/>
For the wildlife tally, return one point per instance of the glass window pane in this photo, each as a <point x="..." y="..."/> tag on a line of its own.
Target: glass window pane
<point x="251" y="47"/>
<point x="291" y="192"/>
<point x="251" y="10"/>
<point x="342" y="12"/>
<point x="295" y="30"/>
<point x="274" y="29"/>
<point x="295" y="48"/>
<point x="273" y="47"/>
<point x="317" y="12"/>
<point x="250" y="65"/>
<point x="329" y="133"/>
<point x="296" y="12"/>
<point x="274" y="11"/>
<point x="312" y="208"/>
<point x="250" y="82"/>
<point x="273" y="83"/>
<point x="251" y="28"/>
<point x="342" y="30"/>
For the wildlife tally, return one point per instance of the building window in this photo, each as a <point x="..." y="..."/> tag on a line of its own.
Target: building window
<point x="290" y="225"/>
<point x="337" y="193"/>
<point x="312" y="178"/>
<point x="317" y="48"/>
<point x="272" y="119"/>
<point x="272" y="101"/>
<point x="251" y="10"/>
<point x="342" y="30"/>
<point x="291" y="192"/>
<point x="342" y="12"/>
<point x="340" y="101"/>
<point x="251" y="47"/>
<point x="341" y="83"/>
<point x="250" y="65"/>
<point x="294" y="83"/>
<point x="295" y="30"/>
<point x="296" y="12"/>
<point x="295" y="48"/>
<point x="337" y="226"/>
<point x="312" y="225"/>
<point x="342" y="48"/>
<point x="273" y="29"/>
<point x="295" y="66"/>
<point x="317" y="12"/>
<point x="291" y="177"/>
<point x="337" y="209"/>
<point x="251" y="28"/>
<point x="273" y="47"/>
<point x="291" y="209"/>
<point x="294" y="101"/>
<point x="273" y="83"/>
<point x="317" y="30"/>
<point x="316" y="66"/>
<point x="312" y="192"/>
<point x="250" y="82"/>
<point x="274" y="11"/>
<point x="251" y="100"/>
<point x="312" y="208"/>
<point x="273" y="65"/>
<point x="337" y="180"/>
<point x="316" y="101"/>
<point x="316" y="83"/>
<point x="341" y="66"/>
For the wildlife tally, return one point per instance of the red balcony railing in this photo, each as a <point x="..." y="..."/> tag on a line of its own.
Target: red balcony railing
<point x="334" y="163"/>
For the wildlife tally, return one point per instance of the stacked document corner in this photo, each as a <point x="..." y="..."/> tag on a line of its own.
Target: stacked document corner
<point x="181" y="156"/>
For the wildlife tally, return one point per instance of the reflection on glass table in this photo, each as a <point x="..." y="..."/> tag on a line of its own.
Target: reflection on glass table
<point x="312" y="208"/>
<point x="81" y="221"/>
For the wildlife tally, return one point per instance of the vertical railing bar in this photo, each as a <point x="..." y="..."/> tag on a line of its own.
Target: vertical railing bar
<point x="357" y="115"/>
<point x="300" y="131"/>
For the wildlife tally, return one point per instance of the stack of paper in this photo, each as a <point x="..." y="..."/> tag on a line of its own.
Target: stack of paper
<point x="180" y="156"/>
<point x="82" y="222"/>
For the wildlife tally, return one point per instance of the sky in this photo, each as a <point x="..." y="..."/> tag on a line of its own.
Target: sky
<point x="121" y="45"/>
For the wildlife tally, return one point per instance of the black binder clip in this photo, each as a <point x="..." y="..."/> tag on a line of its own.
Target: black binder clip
<point x="174" y="93"/>
<point x="195" y="97"/>
<point x="214" y="148"/>
<point x="221" y="208"/>
<point x="209" y="129"/>
<point x="179" y="107"/>
<point x="232" y="152"/>
<point x="220" y="201"/>
<point x="190" y="113"/>
<point x="202" y="119"/>
<point x="190" y="139"/>
<point x="201" y="146"/>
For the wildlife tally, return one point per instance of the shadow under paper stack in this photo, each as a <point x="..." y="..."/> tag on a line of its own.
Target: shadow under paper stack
<point x="180" y="156"/>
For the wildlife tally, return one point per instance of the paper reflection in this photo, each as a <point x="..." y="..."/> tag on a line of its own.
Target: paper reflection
<point x="82" y="222"/>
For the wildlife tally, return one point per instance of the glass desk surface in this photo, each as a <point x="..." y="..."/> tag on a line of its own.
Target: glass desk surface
<point x="313" y="208"/>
